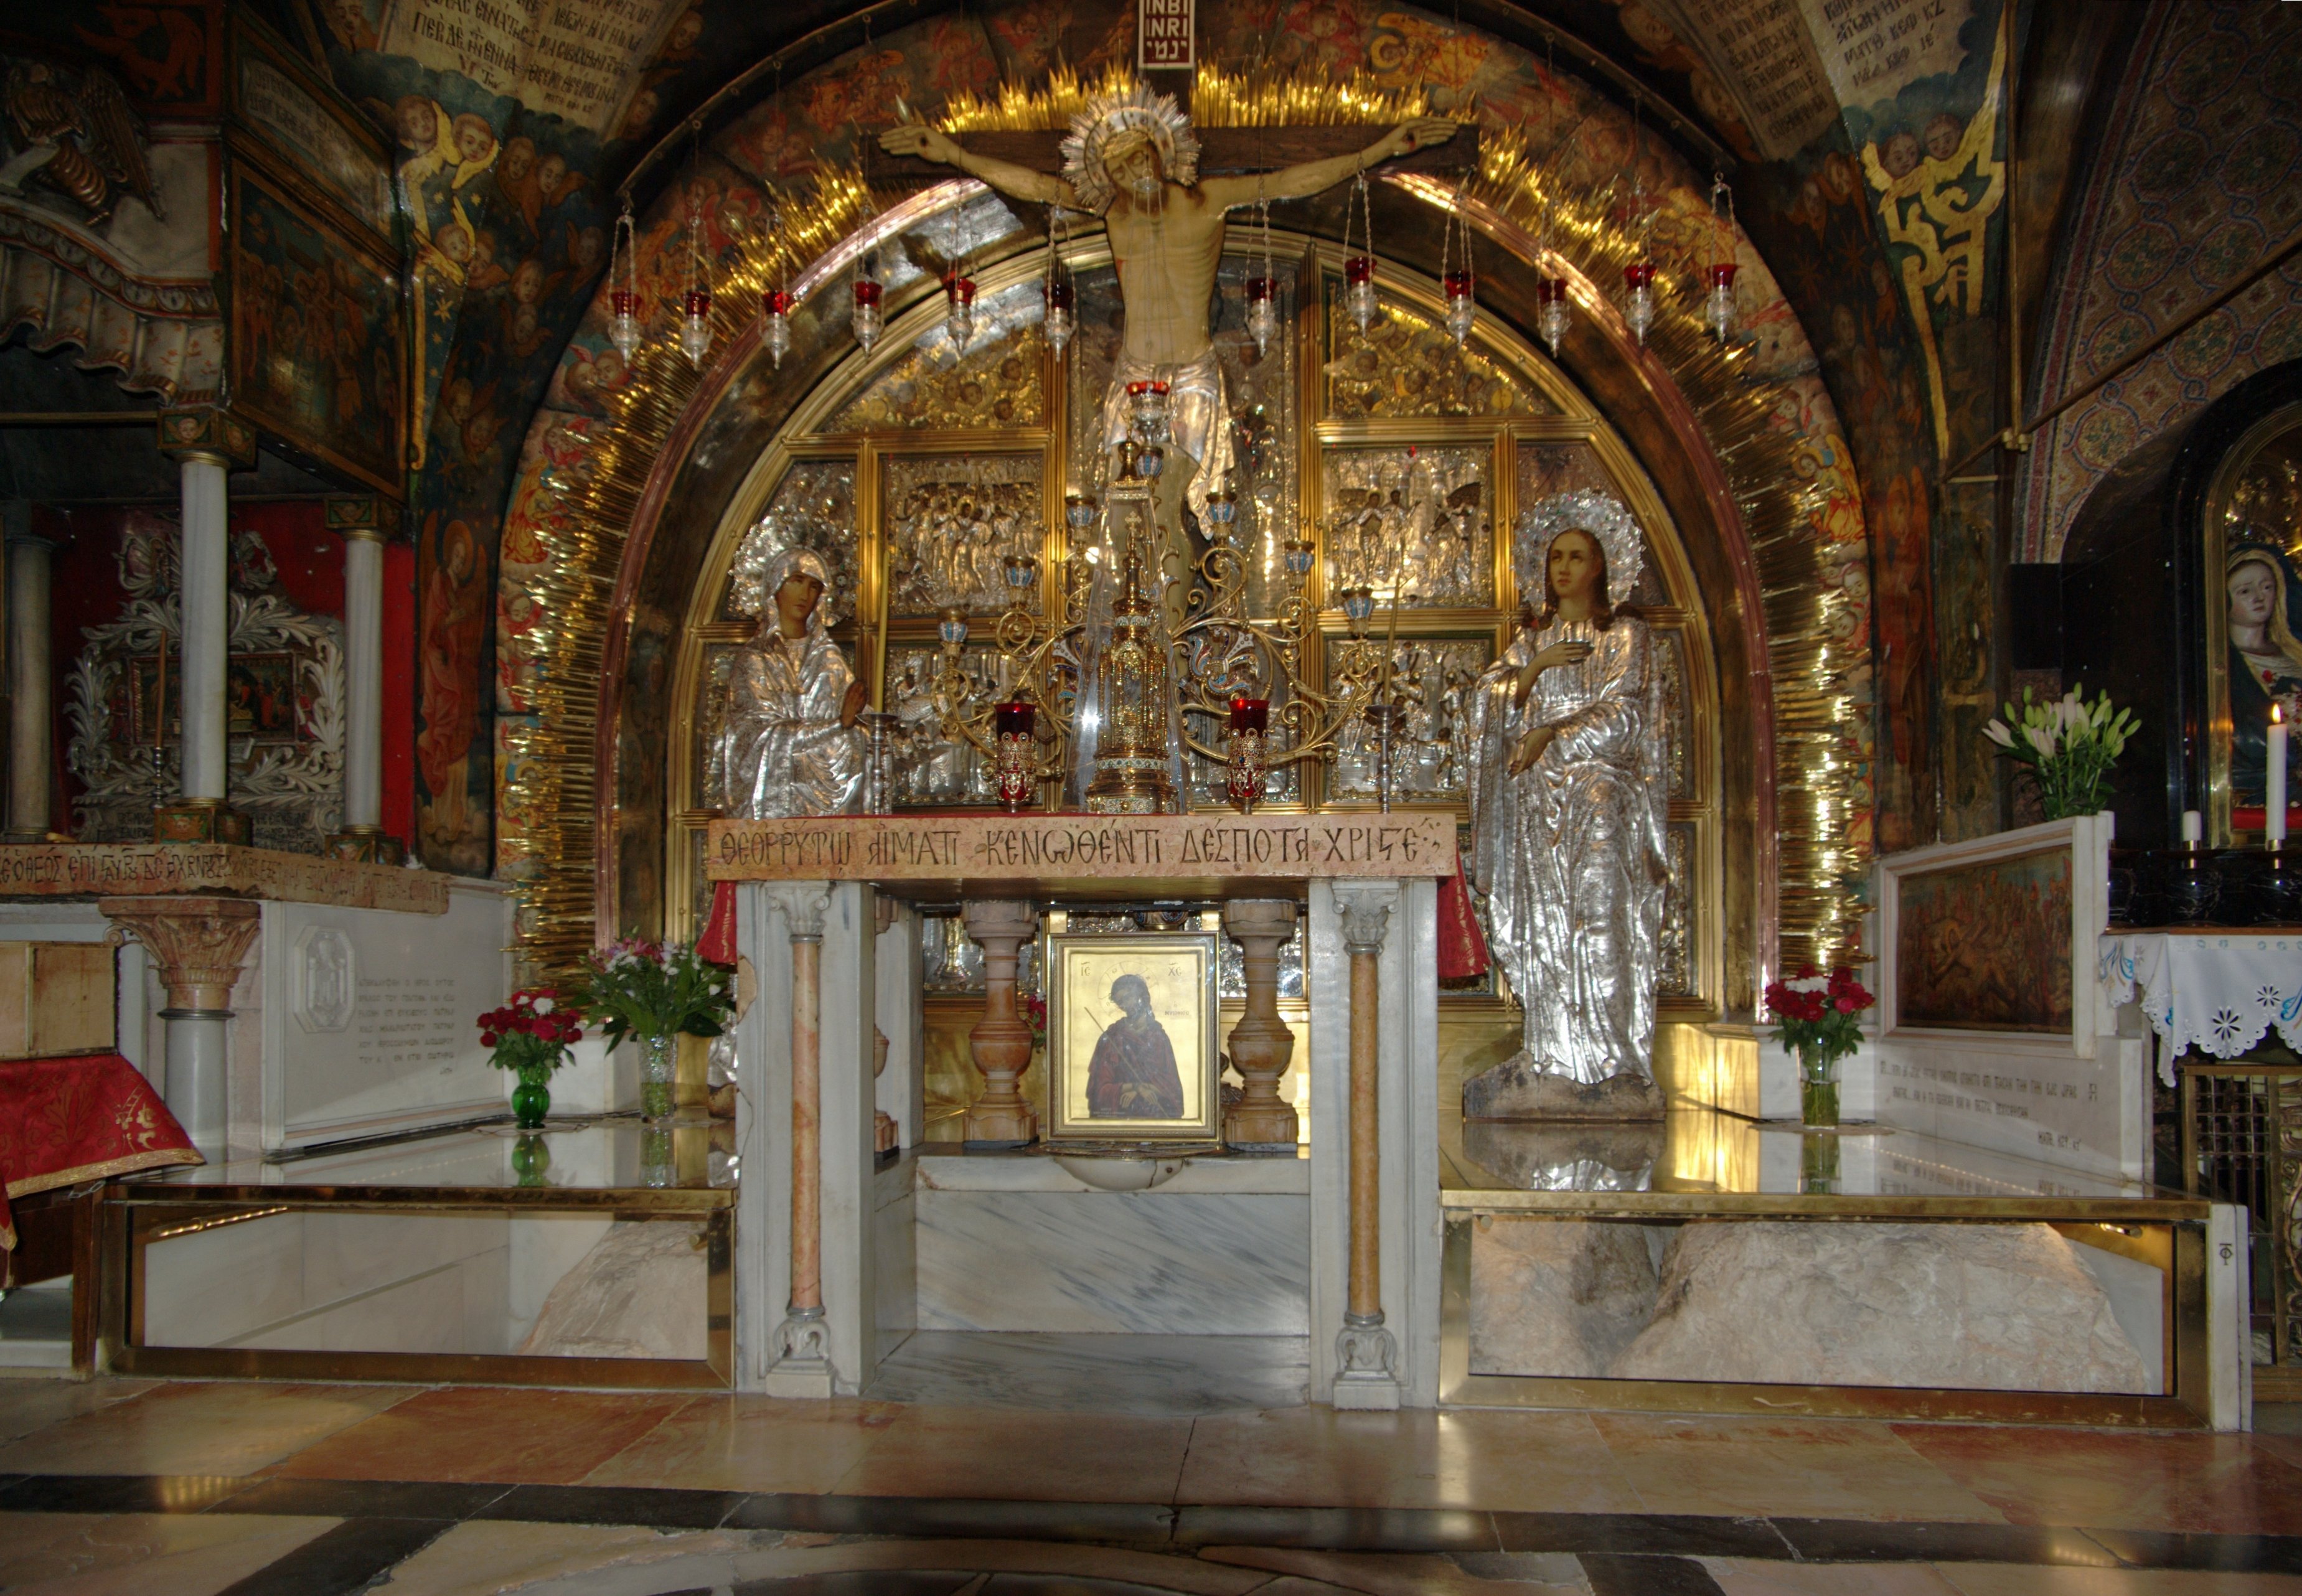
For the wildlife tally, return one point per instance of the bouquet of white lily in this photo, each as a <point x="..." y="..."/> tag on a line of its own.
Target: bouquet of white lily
<point x="2069" y="746"/>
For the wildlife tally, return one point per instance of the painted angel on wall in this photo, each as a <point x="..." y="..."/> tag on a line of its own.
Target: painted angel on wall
<point x="74" y="134"/>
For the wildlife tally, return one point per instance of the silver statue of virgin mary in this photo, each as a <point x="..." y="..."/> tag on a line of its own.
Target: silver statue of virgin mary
<point x="1569" y="749"/>
<point x="788" y="742"/>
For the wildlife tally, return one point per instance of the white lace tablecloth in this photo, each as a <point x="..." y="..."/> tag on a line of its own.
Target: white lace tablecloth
<point x="2219" y="992"/>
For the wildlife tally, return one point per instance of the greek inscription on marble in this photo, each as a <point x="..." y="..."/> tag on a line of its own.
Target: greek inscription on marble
<point x="403" y="1023"/>
<point x="974" y="847"/>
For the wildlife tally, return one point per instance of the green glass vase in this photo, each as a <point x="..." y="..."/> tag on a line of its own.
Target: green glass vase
<point x="531" y="1160"/>
<point x="656" y="1057"/>
<point x="1818" y="1088"/>
<point x="531" y="1099"/>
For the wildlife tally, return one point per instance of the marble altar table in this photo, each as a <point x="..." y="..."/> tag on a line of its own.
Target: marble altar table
<point x="836" y="1263"/>
<point x="302" y="1000"/>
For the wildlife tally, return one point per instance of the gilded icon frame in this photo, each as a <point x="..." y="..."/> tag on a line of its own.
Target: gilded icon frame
<point x="1179" y="971"/>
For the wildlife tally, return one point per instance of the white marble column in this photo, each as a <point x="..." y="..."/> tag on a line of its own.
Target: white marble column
<point x="31" y="758"/>
<point x="362" y="679"/>
<point x="797" y="1157"/>
<point x="1375" y="1222"/>
<point x="199" y="944"/>
<point x="207" y="622"/>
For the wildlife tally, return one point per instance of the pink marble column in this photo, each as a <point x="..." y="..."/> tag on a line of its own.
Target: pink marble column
<point x="1365" y="1351"/>
<point x="802" y="1342"/>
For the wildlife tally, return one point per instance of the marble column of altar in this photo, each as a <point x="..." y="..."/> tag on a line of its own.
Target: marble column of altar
<point x="773" y="922"/>
<point x="361" y="522"/>
<point x="206" y="445"/>
<point x="1261" y="1044"/>
<point x="1388" y="929"/>
<point x="1000" y="1041"/>
<point x="200" y="945"/>
<point x="31" y="760"/>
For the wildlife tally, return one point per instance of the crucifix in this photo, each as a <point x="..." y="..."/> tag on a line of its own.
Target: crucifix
<point x="1133" y="159"/>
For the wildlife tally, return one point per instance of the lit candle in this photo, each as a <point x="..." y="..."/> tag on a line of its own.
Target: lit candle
<point x="2194" y="827"/>
<point x="2275" y="788"/>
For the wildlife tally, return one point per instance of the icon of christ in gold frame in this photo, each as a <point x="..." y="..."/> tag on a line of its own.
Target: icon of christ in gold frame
<point x="1132" y="1052"/>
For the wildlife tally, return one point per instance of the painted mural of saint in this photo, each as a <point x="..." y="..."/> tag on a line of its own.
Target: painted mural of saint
<point x="455" y="617"/>
<point x="1132" y="1075"/>
<point x="2265" y="662"/>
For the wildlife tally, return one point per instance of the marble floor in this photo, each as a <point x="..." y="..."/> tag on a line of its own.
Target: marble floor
<point x="1172" y="1375"/>
<point x="263" y="1488"/>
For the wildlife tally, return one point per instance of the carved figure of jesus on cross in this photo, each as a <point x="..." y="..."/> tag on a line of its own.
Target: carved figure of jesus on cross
<point x="1133" y="159"/>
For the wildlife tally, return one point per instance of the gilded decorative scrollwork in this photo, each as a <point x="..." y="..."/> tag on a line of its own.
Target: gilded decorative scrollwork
<point x="994" y="382"/>
<point x="812" y="508"/>
<point x="1405" y="364"/>
<point x="952" y="521"/>
<point x="1416" y="520"/>
<point x="1429" y="680"/>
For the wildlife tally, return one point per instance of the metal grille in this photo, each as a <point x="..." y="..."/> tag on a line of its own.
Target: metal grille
<point x="2242" y="1143"/>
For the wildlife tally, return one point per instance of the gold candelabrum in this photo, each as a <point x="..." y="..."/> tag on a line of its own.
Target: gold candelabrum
<point x="1229" y="668"/>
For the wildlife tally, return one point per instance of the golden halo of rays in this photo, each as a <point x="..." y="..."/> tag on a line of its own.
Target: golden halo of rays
<point x="551" y="779"/>
<point x="548" y="840"/>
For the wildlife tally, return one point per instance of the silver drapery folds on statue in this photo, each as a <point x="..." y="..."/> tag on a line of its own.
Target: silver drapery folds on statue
<point x="788" y="744"/>
<point x="1570" y="754"/>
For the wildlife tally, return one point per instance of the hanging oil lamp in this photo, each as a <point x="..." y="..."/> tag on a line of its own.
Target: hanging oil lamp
<point x="624" y="300"/>
<point x="1061" y="295"/>
<point x="695" y="304"/>
<point x="1639" y="305"/>
<point x="1247" y="750"/>
<point x="959" y="309"/>
<point x="1551" y="316"/>
<point x="1147" y="414"/>
<point x="867" y="319"/>
<point x="775" y="324"/>
<point x="1718" y="307"/>
<point x="1456" y="278"/>
<point x="1358" y="270"/>
<point x="1263" y="288"/>
<point x="1639" y="276"/>
<point x="776" y="303"/>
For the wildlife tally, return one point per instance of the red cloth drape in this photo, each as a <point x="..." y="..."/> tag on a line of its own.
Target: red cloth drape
<point x="718" y="943"/>
<point x="1462" y="947"/>
<point x="63" y="1121"/>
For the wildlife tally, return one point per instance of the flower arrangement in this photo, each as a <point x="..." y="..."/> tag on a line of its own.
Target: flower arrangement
<point x="531" y="1035"/>
<point x="654" y="992"/>
<point x="2067" y="746"/>
<point x="1817" y="1021"/>
<point x="1034" y="1015"/>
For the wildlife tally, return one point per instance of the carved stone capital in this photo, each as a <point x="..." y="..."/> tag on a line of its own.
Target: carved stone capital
<point x="804" y="904"/>
<point x="207" y="433"/>
<point x="198" y="943"/>
<point x="1366" y="908"/>
<point x="1247" y="918"/>
<point x="1013" y="921"/>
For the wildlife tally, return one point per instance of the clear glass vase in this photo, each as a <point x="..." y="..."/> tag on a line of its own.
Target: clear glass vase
<point x="656" y="1058"/>
<point x="1818" y="1088"/>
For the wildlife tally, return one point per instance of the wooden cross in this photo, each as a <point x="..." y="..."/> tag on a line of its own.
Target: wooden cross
<point x="1223" y="151"/>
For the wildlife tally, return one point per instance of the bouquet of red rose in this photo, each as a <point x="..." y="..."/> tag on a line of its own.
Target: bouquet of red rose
<point x="1816" y="1015"/>
<point x="531" y="1035"/>
<point x="1033" y="1009"/>
<point x="529" y="1032"/>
